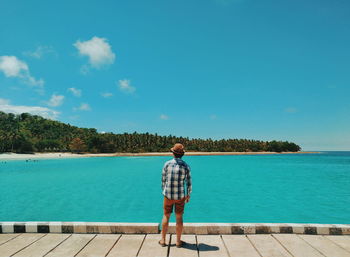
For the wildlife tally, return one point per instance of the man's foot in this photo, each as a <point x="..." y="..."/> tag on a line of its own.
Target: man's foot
<point x="162" y="243"/>
<point x="179" y="245"/>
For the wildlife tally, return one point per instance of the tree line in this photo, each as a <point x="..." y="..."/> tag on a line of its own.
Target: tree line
<point x="26" y="133"/>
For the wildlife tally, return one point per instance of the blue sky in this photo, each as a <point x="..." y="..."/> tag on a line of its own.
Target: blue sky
<point x="211" y="68"/>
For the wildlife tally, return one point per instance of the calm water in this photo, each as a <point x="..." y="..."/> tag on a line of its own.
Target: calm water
<point x="257" y="188"/>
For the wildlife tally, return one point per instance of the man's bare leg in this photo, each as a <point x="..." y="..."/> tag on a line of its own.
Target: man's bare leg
<point x="165" y="224"/>
<point x="179" y="226"/>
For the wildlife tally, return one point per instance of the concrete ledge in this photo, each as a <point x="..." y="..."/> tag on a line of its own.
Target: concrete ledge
<point x="79" y="227"/>
<point x="189" y="228"/>
<point x="262" y="228"/>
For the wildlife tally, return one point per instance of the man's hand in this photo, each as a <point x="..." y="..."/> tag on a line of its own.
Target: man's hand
<point x="187" y="199"/>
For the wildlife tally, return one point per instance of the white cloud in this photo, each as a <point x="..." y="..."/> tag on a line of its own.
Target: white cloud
<point x="125" y="86"/>
<point x="82" y="107"/>
<point x="76" y="92"/>
<point x="11" y="66"/>
<point x="55" y="100"/>
<point x="98" y="50"/>
<point x="106" y="95"/>
<point x="6" y="106"/>
<point x="4" y="101"/>
<point x="164" y="117"/>
<point x="291" y="110"/>
<point x="40" y="51"/>
<point x="85" y="69"/>
<point x="74" y="117"/>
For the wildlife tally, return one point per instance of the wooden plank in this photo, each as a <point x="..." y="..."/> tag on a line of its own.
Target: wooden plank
<point x="18" y="243"/>
<point x="240" y="246"/>
<point x="42" y="246"/>
<point x="99" y="246"/>
<point x="188" y="250"/>
<point x="343" y="241"/>
<point x="325" y="246"/>
<point x="297" y="246"/>
<point x="127" y="246"/>
<point x="6" y="237"/>
<point x="71" y="246"/>
<point x="211" y="245"/>
<point x="151" y="248"/>
<point x="268" y="246"/>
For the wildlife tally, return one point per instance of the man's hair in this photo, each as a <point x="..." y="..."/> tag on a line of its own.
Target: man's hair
<point x="177" y="155"/>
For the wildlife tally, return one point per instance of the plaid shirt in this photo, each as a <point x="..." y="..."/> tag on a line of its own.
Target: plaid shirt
<point x="174" y="174"/>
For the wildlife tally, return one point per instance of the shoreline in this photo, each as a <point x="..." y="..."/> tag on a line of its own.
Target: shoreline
<point x="58" y="155"/>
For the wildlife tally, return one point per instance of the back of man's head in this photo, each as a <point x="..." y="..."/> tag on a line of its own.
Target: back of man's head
<point x="178" y="150"/>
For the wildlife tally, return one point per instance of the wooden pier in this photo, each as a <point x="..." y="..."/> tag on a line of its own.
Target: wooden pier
<point x="124" y="245"/>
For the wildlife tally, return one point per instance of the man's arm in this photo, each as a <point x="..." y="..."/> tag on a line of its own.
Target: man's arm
<point x="164" y="176"/>
<point x="188" y="182"/>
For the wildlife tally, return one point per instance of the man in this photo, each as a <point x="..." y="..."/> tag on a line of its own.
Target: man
<point x="174" y="175"/>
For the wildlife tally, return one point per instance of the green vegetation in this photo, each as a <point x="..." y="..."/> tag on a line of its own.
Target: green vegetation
<point x="26" y="133"/>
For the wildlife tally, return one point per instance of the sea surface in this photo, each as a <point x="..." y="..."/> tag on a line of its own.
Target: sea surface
<point x="301" y="188"/>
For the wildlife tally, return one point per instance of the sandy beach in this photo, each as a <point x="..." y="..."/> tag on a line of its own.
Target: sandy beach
<point x="15" y="156"/>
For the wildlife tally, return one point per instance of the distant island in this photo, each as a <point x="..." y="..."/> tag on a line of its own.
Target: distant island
<point x="26" y="133"/>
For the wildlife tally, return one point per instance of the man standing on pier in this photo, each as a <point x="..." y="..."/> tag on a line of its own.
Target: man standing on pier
<point x="174" y="175"/>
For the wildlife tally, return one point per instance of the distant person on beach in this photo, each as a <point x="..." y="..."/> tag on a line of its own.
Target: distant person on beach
<point x="174" y="175"/>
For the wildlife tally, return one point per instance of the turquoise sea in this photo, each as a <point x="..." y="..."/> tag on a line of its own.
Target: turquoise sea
<point x="302" y="188"/>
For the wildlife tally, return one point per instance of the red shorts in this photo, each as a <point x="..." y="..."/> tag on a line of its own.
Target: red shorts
<point x="179" y="205"/>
